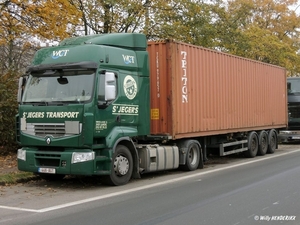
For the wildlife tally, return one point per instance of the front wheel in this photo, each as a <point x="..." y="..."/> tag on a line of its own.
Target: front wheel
<point x="121" y="168"/>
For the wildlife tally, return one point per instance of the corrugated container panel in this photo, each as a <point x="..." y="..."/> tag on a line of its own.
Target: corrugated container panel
<point x="160" y="88"/>
<point x="197" y="91"/>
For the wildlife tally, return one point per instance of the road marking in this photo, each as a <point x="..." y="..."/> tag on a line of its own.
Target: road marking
<point x="18" y="208"/>
<point x="184" y="177"/>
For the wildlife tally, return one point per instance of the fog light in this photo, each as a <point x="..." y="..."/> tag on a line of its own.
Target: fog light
<point x="21" y="154"/>
<point x="82" y="157"/>
<point x="63" y="163"/>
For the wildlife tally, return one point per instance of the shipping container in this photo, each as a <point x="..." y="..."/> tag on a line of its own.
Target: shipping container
<point x="197" y="91"/>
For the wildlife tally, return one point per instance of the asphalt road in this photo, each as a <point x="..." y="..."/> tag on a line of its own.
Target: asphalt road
<point x="234" y="190"/>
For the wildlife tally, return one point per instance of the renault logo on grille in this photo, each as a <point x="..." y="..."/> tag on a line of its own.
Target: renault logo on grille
<point x="48" y="140"/>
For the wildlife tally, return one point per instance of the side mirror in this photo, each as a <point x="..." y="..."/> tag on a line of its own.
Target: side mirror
<point x="107" y="88"/>
<point x="22" y="82"/>
<point x="110" y="86"/>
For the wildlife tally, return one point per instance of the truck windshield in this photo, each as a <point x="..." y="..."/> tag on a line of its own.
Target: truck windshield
<point x="293" y="86"/>
<point x="59" y="86"/>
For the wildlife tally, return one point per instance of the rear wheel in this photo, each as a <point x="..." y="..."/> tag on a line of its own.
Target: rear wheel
<point x="263" y="143"/>
<point x="121" y="168"/>
<point x="193" y="156"/>
<point x="252" y="145"/>
<point x="272" y="141"/>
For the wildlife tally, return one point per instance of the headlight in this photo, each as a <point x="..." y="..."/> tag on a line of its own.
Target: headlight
<point x="21" y="154"/>
<point x="82" y="157"/>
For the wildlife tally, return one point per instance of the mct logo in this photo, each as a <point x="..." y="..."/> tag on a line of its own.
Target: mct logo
<point x="128" y="59"/>
<point x="59" y="53"/>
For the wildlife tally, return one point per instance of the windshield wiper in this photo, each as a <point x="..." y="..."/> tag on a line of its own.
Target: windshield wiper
<point x="37" y="103"/>
<point x="45" y="102"/>
<point x="68" y="102"/>
<point x="58" y="102"/>
<point x="55" y="102"/>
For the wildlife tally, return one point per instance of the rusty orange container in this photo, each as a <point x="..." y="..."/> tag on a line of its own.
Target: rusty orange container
<point x="198" y="92"/>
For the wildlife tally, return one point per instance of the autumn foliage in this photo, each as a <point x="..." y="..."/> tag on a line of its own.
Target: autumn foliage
<point x="264" y="30"/>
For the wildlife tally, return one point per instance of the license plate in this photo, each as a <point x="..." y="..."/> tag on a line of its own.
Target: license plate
<point x="47" y="170"/>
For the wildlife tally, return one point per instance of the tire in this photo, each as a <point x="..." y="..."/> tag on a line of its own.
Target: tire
<point x="263" y="143"/>
<point x="272" y="141"/>
<point x="192" y="156"/>
<point x="252" y="145"/>
<point x="121" y="168"/>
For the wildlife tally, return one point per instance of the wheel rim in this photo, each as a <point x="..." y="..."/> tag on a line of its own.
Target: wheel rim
<point x="193" y="155"/>
<point x="121" y="165"/>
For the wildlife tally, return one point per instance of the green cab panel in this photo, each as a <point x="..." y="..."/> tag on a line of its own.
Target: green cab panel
<point x="51" y="128"/>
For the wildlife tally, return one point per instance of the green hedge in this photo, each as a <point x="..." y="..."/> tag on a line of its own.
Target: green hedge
<point x="8" y="111"/>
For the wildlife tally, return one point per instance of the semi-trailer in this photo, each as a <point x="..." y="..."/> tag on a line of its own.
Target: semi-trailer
<point x="118" y="106"/>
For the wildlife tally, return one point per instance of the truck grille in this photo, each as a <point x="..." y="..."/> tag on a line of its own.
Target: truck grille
<point x="48" y="158"/>
<point x="42" y="130"/>
<point x="56" y="130"/>
<point x="294" y="109"/>
<point x="68" y="128"/>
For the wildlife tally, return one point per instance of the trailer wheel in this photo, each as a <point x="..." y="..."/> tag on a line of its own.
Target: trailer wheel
<point x="252" y="145"/>
<point x="192" y="156"/>
<point x="272" y="141"/>
<point x="121" y="168"/>
<point x="263" y="143"/>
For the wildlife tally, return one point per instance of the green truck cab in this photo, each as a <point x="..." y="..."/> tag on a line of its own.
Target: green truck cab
<point x="79" y="105"/>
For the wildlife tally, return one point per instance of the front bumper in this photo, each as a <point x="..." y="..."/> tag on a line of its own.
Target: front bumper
<point x="60" y="162"/>
<point x="288" y="136"/>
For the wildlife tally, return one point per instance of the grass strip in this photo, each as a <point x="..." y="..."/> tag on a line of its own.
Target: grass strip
<point x="16" y="177"/>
